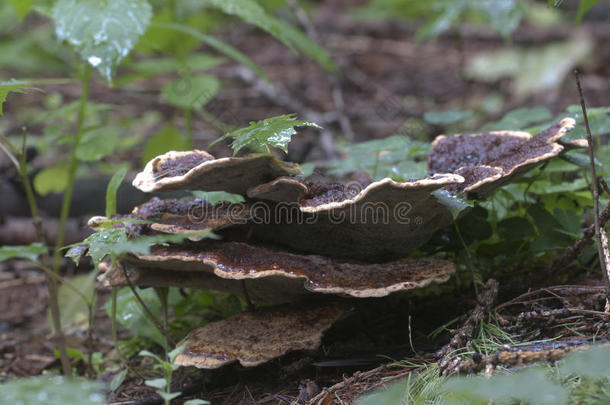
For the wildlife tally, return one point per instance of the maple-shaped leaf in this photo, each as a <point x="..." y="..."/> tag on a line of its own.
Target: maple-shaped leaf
<point x="274" y="131"/>
<point x="12" y="86"/>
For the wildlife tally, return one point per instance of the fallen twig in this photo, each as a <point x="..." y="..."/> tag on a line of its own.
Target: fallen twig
<point x="512" y="358"/>
<point x="598" y="234"/>
<point x="462" y="337"/>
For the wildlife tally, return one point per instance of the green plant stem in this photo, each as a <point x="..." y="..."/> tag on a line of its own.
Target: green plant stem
<point x="469" y="259"/>
<point x="63" y="220"/>
<point x="188" y="117"/>
<point x="162" y="292"/>
<point x="72" y="168"/>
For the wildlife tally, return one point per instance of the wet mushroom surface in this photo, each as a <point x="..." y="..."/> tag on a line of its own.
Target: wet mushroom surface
<point x="198" y="170"/>
<point x="253" y="338"/>
<point x="274" y="274"/>
<point x="491" y="159"/>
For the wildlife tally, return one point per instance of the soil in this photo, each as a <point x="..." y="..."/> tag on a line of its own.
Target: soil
<point x="382" y="65"/>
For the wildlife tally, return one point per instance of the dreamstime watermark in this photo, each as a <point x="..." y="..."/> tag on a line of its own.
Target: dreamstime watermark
<point x="290" y="213"/>
<point x="332" y="205"/>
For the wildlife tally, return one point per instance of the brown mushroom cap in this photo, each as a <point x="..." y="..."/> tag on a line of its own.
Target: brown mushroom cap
<point x="253" y="338"/>
<point x="198" y="170"/>
<point x="183" y="216"/>
<point x="491" y="159"/>
<point x="379" y="222"/>
<point x="275" y="275"/>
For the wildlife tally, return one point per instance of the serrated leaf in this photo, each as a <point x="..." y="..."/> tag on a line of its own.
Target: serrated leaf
<point x="102" y="32"/>
<point x="96" y="146"/>
<point x="191" y="92"/>
<point x="169" y="138"/>
<point x="115" y="242"/>
<point x="111" y="190"/>
<point x="30" y="252"/>
<point x="11" y="86"/>
<point x="275" y="131"/>
<point x="76" y="253"/>
<point x="54" y="390"/>
<point x="53" y="179"/>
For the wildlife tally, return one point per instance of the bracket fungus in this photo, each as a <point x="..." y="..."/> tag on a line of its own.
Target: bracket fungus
<point x="198" y="170"/>
<point x="355" y="237"/>
<point x="253" y="338"/>
<point x="275" y="275"/>
<point x="491" y="159"/>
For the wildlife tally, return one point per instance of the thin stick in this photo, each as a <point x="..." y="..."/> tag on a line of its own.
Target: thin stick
<point x="469" y="257"/>
<point x="590" y="149"/>
<point x="147" y="310"/>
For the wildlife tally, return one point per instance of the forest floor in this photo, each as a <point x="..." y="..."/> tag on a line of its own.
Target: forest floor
<point x="382" y="66"/>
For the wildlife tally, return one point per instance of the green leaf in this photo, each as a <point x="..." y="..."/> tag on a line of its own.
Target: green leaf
<point x="111" y="190"/>
<point x="74" y="310"/>
<point x="118" y="379"/>
<point x="159" y="383"/>
<point x="191" y="92"/>
<point x="22" y="7"/>
<point x="102" y="32"/>
<point x="218" y="45"/>
<point x="447" y="117"/>
<point x="196" y="402"/>
<point x="519" y="119"/>
<point x="275" y="131"/>
<point x="214" y="197"/>
<point x="115" y="242"/>
<point x="174" y="353"/>
<point x="533" y="387"/>
<point x="592" y="363"/>
<point x="132" y="316"/>
<point x="533" y="69"/>
<point x="96" y="146"/>
<point x="168" y="396"/>
<point x="11" y="86"/>
<point x="54" y="390"/>
<point x="169" y="138"/>
<point x="583" y="7"/>
<point x="453" y="203"/>
<point x="251" y="12"/>
<point x="30" y="252"/>
<point x="53" y="179"/>
<point x="76" y="253"/>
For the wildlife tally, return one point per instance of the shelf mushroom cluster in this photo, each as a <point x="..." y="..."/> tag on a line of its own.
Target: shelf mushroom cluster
<point x="291" y="239"/>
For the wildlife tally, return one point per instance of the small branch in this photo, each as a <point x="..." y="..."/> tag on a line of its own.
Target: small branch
<point x="575" y="250"/>
<point x="517" y="358"/>
<point x="147" y="310"/>
<point x="591" y="150"/>
<point x="464" y="334"/>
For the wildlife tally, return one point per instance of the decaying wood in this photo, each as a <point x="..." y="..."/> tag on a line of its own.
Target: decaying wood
<point x="22" y="231"/>
<point x="463" y="335"/>
<point x="514" y="358"/>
